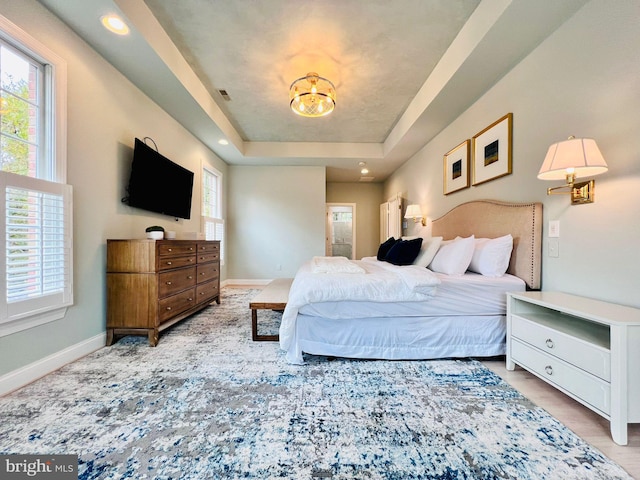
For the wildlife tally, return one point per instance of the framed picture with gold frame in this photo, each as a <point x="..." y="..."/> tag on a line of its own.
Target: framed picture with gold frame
<point x="456" y="168"/>
<point x="492" y="150"/>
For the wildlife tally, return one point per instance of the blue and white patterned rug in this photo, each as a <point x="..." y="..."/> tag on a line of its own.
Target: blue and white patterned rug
<point x="208" y="403"/>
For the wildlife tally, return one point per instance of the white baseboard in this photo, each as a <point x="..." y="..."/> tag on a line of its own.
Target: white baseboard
<point x="247" y="282"/>
<point x="29" y="373"/>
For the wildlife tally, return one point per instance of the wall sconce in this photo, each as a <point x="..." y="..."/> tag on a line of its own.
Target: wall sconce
<point x="570" y="159"/>
<point x="413" y="211"/>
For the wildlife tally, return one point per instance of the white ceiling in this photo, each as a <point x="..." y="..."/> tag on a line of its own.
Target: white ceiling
<point x="403" y="69"/>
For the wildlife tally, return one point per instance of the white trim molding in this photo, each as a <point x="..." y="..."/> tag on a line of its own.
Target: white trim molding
<point x="23" y="376"/>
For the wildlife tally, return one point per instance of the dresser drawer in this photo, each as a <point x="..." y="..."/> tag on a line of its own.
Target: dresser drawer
<point x="208" y="257"/>
<point x="176" y="248"/>
<point x="588" y="388"/>
<point x="169" y="307"/>
<point x="587" y="356"/>
<point x="206" y="291"/>
<point x="169" y="262"/>
<point x="209" y="247"/>
<point x="207" y="272"/>
<point x="174" y="281"/>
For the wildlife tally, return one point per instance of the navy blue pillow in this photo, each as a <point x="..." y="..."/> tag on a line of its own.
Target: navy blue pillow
<point x="404" y="252"/>
<point x="385" y="247"/>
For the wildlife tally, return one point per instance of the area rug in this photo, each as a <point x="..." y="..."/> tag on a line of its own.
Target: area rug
<point x="208" y="403"/>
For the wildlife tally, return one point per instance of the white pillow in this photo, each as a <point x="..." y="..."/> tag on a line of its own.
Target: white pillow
<point x="491" y="256"/>
<point x="428" y="250"/>
<point x="454" y="256"/>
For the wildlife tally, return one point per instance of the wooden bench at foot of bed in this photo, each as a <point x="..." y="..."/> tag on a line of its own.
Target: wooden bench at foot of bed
<point x="273" y="297"/>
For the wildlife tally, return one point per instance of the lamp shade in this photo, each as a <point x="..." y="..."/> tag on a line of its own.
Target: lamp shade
<point x="578" y="156"/>
<point x="413" y="211"/>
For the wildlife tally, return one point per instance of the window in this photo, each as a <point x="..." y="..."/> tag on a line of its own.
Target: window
<point x="36" y="281"/>
<point x="213" y="223"/>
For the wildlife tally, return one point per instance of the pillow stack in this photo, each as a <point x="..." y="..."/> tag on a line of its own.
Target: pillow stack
<point x="487" y="256"/>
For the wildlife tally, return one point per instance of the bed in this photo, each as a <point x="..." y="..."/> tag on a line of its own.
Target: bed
<point x="375" y="310"/>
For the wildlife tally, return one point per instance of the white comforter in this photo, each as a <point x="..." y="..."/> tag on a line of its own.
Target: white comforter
<point x="381" y="282"/>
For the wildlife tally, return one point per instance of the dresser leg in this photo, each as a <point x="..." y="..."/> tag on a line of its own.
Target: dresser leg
<point x="109" y="337"/>
<point x="153" y="337"/>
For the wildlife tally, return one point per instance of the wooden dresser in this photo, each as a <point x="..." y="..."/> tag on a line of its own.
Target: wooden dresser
<point x="152" y="284"/>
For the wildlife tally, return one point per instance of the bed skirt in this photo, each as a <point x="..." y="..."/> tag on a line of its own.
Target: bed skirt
<point x="410" y="338"/>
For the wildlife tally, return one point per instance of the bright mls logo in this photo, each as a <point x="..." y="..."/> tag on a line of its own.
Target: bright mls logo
<point x="50" y="467"/>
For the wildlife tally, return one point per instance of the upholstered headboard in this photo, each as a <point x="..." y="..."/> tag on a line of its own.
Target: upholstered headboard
<point x="491" y="219"/>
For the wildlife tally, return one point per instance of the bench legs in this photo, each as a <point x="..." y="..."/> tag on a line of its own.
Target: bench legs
<point x="254" y="330"/>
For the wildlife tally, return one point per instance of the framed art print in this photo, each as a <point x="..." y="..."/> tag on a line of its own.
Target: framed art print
<point x="456" y="168"/>
<point x="492" y="151"/>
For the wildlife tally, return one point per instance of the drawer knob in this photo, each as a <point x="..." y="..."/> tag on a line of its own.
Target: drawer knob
<point x="549" y="370"/>
<point x="170" y="249"/>
<point x="169" y="263"/>
<point x="190" y="299"/>
<point x="190" y="277"/>
<point x="549" y="343"/>
<point x="169" y="283"/>
<point x="168" y="308"/>
<point x="191" y="249"/>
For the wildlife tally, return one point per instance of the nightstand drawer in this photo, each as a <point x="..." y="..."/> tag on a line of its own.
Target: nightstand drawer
<point x="576" y="351"/>
<point x="588" y="388"/>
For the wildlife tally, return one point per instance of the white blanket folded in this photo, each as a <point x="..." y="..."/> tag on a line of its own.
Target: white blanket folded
<point x="334" y="265"/>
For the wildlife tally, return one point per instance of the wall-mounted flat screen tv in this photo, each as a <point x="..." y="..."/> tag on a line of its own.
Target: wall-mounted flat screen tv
<point x="157" y="184"/>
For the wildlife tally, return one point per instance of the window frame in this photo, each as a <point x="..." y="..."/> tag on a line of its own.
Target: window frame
<point x="54" y="73"/>
<point x="53" y="138"/>
<point x="215" y="220"/>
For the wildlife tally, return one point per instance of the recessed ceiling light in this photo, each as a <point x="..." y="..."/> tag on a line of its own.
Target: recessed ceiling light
<point x="223" y="141"/>
<point x="364" y="171"/>
<point x="114" y="24"/>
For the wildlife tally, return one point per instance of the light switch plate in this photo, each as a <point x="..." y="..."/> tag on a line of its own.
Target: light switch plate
<point x="554" y="228"/>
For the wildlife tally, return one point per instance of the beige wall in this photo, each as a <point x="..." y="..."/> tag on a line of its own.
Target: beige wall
<point x="105" y="113"/>
<point x="367" y="197"/>
<point x="275" y="221"/>
<point x="583" y="81"/>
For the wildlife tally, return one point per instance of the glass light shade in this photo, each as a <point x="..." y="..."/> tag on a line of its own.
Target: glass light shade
<point x="413" y="211"/>
<point x="578" y="156"/>
<point x="312" y="96"/>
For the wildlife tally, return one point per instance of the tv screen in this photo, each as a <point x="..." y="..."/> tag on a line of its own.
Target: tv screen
<point x="159" y="185"/>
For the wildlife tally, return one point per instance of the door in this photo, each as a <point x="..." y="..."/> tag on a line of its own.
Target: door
<point x="390" y="218"/>
<point x="340" y="238"/>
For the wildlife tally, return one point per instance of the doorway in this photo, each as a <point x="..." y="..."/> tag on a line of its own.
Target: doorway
<point x="340" y="238"/>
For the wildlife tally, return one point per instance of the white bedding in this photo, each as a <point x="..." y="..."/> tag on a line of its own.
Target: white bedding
<point x="468" y="294"/>
<point x="382" y="282"/>
<point x="395" y="312"/>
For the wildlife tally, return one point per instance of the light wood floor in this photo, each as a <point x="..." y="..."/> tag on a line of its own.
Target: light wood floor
<point x="585" y="423"/>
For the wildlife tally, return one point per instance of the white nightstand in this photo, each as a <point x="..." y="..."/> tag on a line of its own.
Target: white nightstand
<point x="586" y="348"/>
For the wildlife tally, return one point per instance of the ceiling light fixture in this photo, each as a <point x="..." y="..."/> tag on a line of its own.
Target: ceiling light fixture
<point x="114" y="24"/>
<point x="312" y="96"/>
<point x="223" y="141"/>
